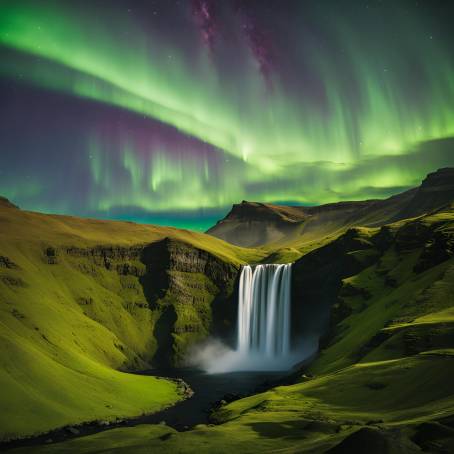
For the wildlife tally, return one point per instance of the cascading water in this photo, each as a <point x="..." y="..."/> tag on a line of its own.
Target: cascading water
<point x="263" y="342"/>
<point x="264" y="311"/>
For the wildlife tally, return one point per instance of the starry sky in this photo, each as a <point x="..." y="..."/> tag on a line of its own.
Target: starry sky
<point x="169" y="111"/>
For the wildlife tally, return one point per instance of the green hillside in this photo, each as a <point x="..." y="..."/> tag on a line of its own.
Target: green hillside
<point x="383" y="378"/>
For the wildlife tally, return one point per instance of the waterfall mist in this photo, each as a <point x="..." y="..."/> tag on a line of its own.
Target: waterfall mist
<point x="263" y="326"/>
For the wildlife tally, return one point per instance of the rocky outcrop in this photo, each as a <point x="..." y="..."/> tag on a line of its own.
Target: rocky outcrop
<point x="437" y="249"/>
<point x="253" y="224"/>
<point x="253" y="211"/>
<point x="193" y="291"/>
<point x="5" y="203"/>
<point x="412" y="235"/>
<point x="6" y="262"/>
<point x="50" y="255"/>
<point x="317" y="280"/>
<point x="436" y="190"/>
<point x="105" y="255"/>
<point x="173" y="255"/>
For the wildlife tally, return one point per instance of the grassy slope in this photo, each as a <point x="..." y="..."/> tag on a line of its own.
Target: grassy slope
<point x="294" y="248"/>
<point x="67" y="328"/>
<point x="395" y="383"/>
<point x="410" y="298"/>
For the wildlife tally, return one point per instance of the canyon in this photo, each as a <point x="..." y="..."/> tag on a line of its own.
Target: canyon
<point x="85" y="304"/>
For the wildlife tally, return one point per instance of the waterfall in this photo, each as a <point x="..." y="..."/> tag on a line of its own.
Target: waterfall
<point x="264" y="310"/>
<point x="263" y="337"/>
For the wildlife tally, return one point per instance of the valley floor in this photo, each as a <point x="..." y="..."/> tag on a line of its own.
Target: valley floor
<point x="400" y="405"/>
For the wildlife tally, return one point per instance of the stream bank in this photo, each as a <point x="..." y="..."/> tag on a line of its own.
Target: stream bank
<point x="203" y="392"/>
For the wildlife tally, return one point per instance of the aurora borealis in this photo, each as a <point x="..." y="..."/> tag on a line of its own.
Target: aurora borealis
<point x="170" y="111"/>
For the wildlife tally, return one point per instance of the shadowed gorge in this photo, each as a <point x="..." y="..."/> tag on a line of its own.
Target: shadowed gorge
<point x="187" y="286"/>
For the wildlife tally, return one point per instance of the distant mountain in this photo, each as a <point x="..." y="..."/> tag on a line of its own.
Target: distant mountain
<point x="253" y="224"/>
<point x="5" y="203"/>
<point x="436" y="190"/>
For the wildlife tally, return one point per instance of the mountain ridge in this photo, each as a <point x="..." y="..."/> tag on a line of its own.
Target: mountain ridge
<point x="255" y="224"/>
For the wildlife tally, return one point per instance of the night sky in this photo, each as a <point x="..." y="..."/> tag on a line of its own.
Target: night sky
<point x="170" y="111"/>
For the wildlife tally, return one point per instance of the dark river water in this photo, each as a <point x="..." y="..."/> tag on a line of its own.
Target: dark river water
<point x="208" y="389"/>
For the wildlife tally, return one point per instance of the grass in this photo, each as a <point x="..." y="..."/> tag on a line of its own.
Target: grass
<point x="58" y="364"/>
<point x="24" y="227"/>
<point x="306" y="417"/>
<point x="131" y="439"/>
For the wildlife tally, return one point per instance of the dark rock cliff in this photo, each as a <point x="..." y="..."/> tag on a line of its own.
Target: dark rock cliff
<point x="317" y="281"/>
<point x="187" y="292"/>
<point x="5" y="203"/>
<point x="193" y="292"/>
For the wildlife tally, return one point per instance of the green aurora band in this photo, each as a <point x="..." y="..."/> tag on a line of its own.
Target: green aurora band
<point x="346" y="141"/>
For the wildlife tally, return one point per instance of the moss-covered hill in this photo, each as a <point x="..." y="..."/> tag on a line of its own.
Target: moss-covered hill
<point x="382" y="382"/>
<point x="82" y="300"/>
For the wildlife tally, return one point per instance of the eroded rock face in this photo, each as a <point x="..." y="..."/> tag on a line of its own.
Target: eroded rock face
<point x="253" y="224"/>
<point x="437" y="249"/>
<point x="194" y="293"/>
<point x="317" y="282"/>
<point x="412" y="235"/>
<point x="105" y="255"/>
<point x="6" y="262"/>
<point x="4" y="202"/>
